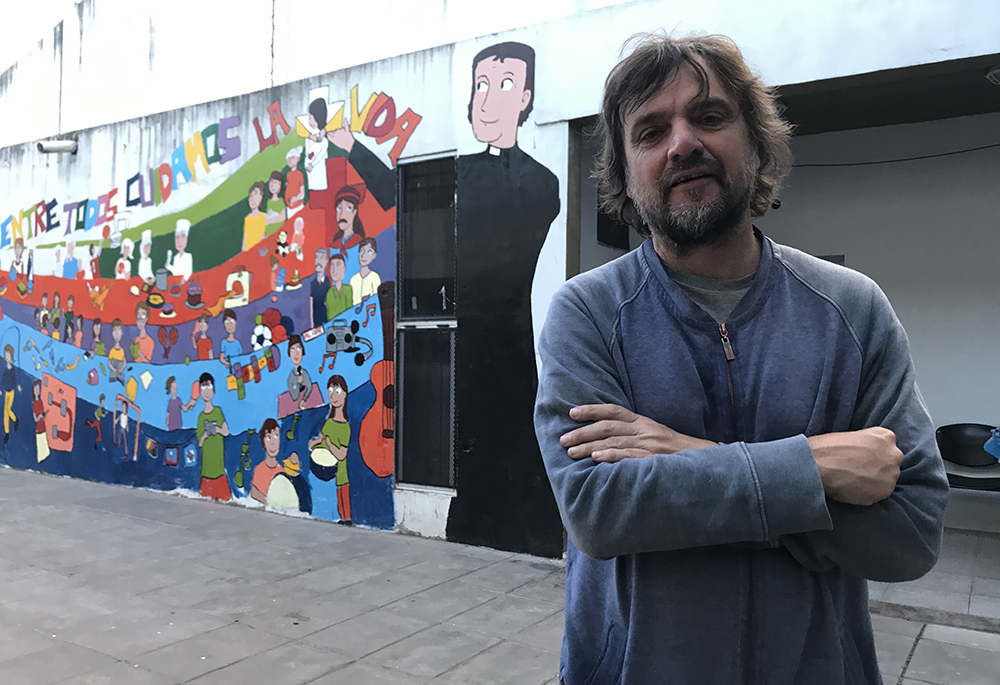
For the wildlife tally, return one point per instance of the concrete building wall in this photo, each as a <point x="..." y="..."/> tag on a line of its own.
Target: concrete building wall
<point x="117" y="59"/>
<point x="927" y="231"/>
<point x="112" y="60"/>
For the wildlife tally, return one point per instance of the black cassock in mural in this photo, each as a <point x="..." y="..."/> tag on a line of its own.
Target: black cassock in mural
<point x="506" y="203"/>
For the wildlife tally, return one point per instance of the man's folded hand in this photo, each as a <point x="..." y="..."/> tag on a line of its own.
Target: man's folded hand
<point x="614" y="433"/>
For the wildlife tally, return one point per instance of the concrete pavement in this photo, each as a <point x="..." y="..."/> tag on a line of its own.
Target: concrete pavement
<point x="105" y="584"/>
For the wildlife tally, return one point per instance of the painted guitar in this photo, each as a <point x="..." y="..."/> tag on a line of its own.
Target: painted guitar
<point x="376" y="436"/>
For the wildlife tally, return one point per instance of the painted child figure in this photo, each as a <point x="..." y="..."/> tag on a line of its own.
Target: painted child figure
<point x="295" y="187"/>
<point x="330" y="447"/>
<point x="97" y="345"/>
<point x="211" y="430"/>
<point x="143" y="345"/>
<point x="298" y="236"/>
<point x="275" y="203"/>
<point x="38" y="414"/>
<point x="254" y="224"/>
<point x="264" y="472"/>
<point x="96" y="421"/>
<point x="116" y="355"/>
<point x="175" y="406"/>
<point x="123" y="267"/>
<point x="365" y="283"/>
<point x="199" y="338"/>
<point x="230" y="347"/>
<point x="68" y="315"/>
<point x="9" y="385"/>
<point x="339" y="297"/>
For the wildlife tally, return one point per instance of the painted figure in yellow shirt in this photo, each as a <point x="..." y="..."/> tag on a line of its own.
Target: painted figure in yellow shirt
<point x="365" y="283"/>
<point x="255" y="221"/>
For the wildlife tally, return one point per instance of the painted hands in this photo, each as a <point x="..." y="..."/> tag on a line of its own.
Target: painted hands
<point x="342" y="137"/>
<point x="615" y="433"/>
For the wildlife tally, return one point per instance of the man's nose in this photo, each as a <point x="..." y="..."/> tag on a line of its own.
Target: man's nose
<point x="683" y="141"/>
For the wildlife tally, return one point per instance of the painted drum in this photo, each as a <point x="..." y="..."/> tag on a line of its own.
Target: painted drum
<point x="323" y="464"/>
<point x="281" y="494"/>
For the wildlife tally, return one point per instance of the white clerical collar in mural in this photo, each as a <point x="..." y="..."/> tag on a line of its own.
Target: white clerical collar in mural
<point x="495" y="151"/>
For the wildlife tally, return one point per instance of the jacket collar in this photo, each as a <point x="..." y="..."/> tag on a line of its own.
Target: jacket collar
<point x="684" y="308"/>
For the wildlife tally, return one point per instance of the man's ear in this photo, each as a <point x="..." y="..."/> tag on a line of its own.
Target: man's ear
<point x="525" y="99"/>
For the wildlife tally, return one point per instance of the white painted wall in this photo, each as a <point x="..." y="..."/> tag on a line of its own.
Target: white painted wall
<point x="122" y="59"/>
<point x="422" y="510"/>
<point x="927" y="231"/>
<point x="127" y="58"/>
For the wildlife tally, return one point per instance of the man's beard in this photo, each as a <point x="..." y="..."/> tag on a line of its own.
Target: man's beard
<point x="707" y="222"/>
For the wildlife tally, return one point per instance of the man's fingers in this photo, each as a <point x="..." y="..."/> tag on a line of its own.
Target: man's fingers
<point x="610" y="456"/>
<point x="587" y="448"/>
<point x="601" y="412"/>
<point x="596" y="431"/>
<point x="614" y="442"/>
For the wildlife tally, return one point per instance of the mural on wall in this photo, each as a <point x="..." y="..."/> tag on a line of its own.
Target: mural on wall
<point x="506" y="202"/>
<point x="240" y="345"/>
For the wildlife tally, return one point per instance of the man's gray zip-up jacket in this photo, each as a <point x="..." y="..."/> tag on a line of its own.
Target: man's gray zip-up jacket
<point x="728" y="565"/>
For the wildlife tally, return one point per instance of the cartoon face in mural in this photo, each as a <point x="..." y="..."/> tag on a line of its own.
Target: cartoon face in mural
<point x="295" y="350"/>
<point x="337" y="393"/>
<point x="180" y="238"/>
<point x="503" y="82"/>
<point x="321" y="261"/>
<point x="256" y="196"/>
<point x="347" y="214"/>
<point x="366" y="252"/>
<point x="338" y="267"/>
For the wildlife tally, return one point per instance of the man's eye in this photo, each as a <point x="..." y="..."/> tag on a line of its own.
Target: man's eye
<point x="482" y="86"/>
<point x="712" y="119"/>
<point x="506" y="84"/>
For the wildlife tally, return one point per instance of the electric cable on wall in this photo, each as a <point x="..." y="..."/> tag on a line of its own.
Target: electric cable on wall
<point x="901" y="159"/>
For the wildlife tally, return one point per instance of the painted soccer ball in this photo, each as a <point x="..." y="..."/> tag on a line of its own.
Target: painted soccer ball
<point x="261" y="337"/>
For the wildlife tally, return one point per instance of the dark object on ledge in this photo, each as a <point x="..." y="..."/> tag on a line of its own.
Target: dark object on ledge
<point x="968" y="465"/>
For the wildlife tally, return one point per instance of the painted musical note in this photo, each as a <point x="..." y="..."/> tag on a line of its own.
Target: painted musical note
<point x="290" y="433"/>
<point x="370" y="310"/>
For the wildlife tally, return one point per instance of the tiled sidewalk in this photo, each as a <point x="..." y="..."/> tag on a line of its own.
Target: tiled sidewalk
<point x="914" y="653"/>
<point x="108" y="585"/>
<point x="966" y="579"/>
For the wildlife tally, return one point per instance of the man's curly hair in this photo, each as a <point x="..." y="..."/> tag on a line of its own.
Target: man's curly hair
<point x="640" y="75"/>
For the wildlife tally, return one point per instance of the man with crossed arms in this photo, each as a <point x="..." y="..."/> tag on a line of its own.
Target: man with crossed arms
<point x="731" y="427"/>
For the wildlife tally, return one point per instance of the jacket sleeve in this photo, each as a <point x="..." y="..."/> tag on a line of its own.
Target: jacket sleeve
<point x="898" y="538"/>
<point x="710" y="496"/>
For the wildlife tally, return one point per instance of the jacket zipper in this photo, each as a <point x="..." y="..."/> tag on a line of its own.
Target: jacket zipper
<point x="730" y="356"/>
<point x="748" y="669"/>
